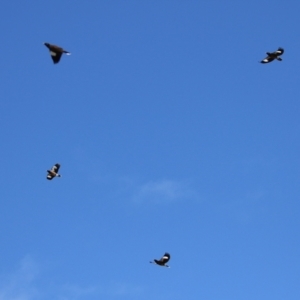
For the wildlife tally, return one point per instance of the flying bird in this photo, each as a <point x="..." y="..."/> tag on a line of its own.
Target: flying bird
<point x="273" y="55"/>
<point x="53" y="172"/>
<point x="162" y="262"/>
<point x="56" y="52"/>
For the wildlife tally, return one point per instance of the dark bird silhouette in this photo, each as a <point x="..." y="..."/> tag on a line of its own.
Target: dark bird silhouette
<point x="273" y="55"/>
<point x="162" y="262"/>
<point x="53" y="172"/>
<point x="56" y="52"/>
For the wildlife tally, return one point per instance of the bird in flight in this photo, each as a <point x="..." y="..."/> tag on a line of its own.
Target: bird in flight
<point x="53" y="172"/>
<point x="56" y="52"/>
<point x="273" y="55"/>
<point x="162" y="262"/>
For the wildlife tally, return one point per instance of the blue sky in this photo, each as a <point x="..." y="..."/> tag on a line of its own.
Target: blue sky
<point x="171" y="137"/>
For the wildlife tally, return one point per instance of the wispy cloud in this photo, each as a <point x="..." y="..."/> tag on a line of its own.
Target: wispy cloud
<point x="163" y="191"/>
<point x="20" y="284"/>
<point x="24" y="284"/>
<point x="28" y="283"/>
<point x="124" y="289"/>
<point x="71" y="291"/>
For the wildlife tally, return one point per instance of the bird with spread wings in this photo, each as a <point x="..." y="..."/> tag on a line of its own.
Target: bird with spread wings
<point x="163" y="261"/>
<point x="53" y="172"/>
<point x="273" y="55"/>
<point x="56" y="52"/>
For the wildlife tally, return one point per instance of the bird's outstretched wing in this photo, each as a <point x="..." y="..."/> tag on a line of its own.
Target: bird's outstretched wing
<point x="55" y="56"/>
<point x="165" y="258"/>
<point x="55" y="168"/>
<point x="50" y="177"/>
<point x="279" y="51"/>
<point x="55" y="52"/>
<point x="267" y="59"/>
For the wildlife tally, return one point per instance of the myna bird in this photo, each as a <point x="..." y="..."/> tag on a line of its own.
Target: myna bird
<point x="273" y="55"/>
<point x="56" y="52"/>
<point x="162" y="262"/>
<point x="53" y="172"/>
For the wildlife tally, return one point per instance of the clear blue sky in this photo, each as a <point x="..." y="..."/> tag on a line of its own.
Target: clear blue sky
<point x="171" y="137"/>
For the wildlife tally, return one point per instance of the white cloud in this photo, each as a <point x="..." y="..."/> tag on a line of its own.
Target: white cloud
<point x="78" y="292"/>
<point x="163" y="191"/>
<point x="26" y="283"/>
<point x="122" y="289"/>
<point x="19" y="285"/>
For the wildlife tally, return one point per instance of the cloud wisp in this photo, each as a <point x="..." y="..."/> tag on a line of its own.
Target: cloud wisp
<point x="163" y="191"/>
<point x="27" y="283"/>
<point x="124" y="289"/>
<point x="20" y="284"/>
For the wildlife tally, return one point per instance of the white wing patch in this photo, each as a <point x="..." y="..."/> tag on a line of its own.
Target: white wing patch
<point x="53" y="53"/>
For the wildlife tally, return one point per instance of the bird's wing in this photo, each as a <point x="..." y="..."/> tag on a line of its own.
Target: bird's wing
<point x="279" y="51"/>
<point x="55" y="168"/>
<point x="55" y="56"/>
<point x="49" y="177"/>
<point x="267" y="59"/>
<point x="165" y="258"/>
